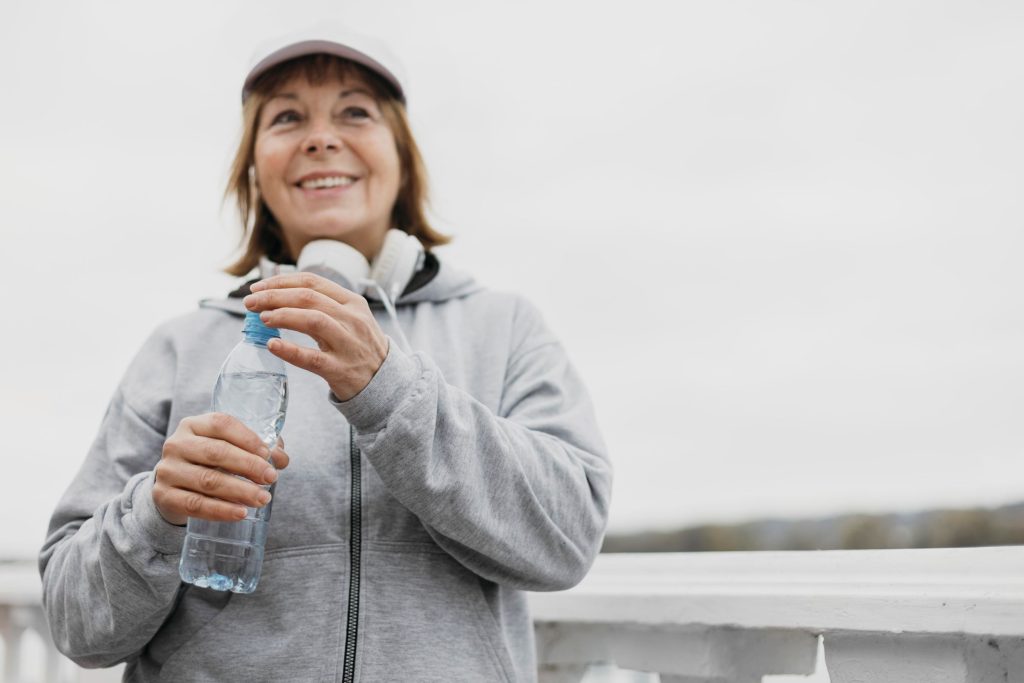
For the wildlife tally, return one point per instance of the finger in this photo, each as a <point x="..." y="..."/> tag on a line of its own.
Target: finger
<point x="309" y="281"/>
<point x="221" y="485"/>
<point x="280" y="458"/>
<point x="219" y="454"/>
<point x="231" y="429"/>
<point x="325" y="330"/>
<point x="300" y="297"/>
<point x="313" y="360"/>
<point x="192" y="504"/>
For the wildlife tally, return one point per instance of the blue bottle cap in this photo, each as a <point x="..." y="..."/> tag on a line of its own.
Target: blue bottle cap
<point x="256" y="331"/>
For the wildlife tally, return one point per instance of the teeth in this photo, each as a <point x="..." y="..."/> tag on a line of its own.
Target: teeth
<point x="334" y="181"/>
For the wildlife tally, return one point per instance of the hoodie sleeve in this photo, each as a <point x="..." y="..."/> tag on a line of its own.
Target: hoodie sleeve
<point x="520" y="497"/>
<point x="109" y="563"/>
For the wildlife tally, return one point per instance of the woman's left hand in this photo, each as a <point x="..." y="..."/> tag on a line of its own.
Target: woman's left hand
<point x="352" y="345"/>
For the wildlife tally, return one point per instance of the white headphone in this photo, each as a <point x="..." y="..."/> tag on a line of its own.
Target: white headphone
<point x="400" y="257"/>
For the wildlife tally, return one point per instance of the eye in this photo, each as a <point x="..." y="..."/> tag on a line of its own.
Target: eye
<point x="286" y="116"/>
<point x="354" y="113"/>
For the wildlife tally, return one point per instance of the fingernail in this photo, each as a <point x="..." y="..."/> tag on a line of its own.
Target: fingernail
<point x="270" y="475"/>
<point x="248" y="300"/>
<point x="264" y="497"/>
<point x="257" y="286"/>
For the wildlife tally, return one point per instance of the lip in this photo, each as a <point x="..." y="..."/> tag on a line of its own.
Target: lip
<point x="326" y="192"/>
<point x="325" y="174"/>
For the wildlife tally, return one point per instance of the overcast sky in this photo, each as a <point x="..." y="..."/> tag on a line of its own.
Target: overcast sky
<point x="781" y="240"/>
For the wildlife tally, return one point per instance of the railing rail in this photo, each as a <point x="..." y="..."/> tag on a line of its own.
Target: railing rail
<point x="886" y="616"/>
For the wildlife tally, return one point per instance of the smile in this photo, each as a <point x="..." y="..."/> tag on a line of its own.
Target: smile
<point x="331" y="181"/>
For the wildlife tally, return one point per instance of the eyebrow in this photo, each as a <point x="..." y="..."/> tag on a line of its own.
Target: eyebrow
<point x="354" y="91"/>
<point x="343" y="95"/>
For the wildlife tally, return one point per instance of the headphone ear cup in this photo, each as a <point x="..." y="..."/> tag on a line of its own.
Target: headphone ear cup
<point x="398" y="260"/>
<point x="335" y="261"/>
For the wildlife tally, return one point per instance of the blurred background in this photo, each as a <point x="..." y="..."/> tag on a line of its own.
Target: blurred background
<point x="781" y="240"/>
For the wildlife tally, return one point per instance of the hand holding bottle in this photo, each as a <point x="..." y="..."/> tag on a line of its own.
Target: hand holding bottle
<point x="194" y="476"/>
<point x="352" y="346"/>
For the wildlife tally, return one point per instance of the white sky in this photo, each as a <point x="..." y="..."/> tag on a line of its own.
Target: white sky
<point x="780" y="239"/>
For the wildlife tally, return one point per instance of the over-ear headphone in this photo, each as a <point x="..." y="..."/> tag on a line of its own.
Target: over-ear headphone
<point x="398" y="260"/>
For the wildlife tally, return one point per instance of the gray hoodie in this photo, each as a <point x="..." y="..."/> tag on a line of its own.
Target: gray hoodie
<point x="403" y="534"/>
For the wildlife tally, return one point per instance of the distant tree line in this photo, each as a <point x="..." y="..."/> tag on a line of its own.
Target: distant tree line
<point x="929" y="529"/>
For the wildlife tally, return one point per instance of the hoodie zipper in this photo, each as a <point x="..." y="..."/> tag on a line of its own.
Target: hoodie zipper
<point x="355" y="550"/>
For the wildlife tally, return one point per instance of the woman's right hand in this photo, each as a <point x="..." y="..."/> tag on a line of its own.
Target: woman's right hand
<point x="194" y="477"/>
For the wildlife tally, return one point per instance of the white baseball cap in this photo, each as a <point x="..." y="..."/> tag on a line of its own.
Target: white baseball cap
<point x="331" y="39"/>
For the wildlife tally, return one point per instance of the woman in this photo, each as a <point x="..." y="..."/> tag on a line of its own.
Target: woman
<point x="429" y="486"/>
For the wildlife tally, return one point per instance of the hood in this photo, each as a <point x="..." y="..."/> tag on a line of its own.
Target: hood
<point x="435" y="281"/>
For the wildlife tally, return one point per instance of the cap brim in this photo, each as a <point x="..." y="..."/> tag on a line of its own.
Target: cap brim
<point x="312" y="47"/>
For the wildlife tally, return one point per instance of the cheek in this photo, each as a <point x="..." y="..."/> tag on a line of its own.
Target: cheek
<point x="394" y="182"/>
<point x="393" y="172"/>
<point x="270" y="162"/>
<point x="381" y="152"/>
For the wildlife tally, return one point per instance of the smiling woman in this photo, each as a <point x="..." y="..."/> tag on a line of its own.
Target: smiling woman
<point x="429" y="483"/>
<point x="273" y="119"/>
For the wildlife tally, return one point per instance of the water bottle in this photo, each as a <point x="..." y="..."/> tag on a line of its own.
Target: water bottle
<point x="252" y="386"/>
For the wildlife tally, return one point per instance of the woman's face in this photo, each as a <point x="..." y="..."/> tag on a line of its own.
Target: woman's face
<point x="326" y="164"/>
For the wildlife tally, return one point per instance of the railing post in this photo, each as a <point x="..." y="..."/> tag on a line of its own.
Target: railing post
<point x="684" y="655"/>
<point x="919" y="658"/>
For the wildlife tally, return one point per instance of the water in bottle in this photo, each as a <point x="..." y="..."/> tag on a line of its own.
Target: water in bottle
<point x="252" y="386"/>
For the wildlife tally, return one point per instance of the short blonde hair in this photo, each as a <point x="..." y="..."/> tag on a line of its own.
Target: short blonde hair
<point x="261" y="234"/>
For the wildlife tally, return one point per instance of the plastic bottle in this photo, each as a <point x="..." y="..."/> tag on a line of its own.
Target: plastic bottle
<point x="253" y="387"/>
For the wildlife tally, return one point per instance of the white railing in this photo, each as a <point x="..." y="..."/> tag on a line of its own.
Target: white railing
<point x="883" y="616"/>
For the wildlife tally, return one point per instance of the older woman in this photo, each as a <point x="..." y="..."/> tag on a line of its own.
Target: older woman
<point x="431" y="481"/>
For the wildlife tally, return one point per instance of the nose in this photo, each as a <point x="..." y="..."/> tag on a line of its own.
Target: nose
<point x="322" y="139"/>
